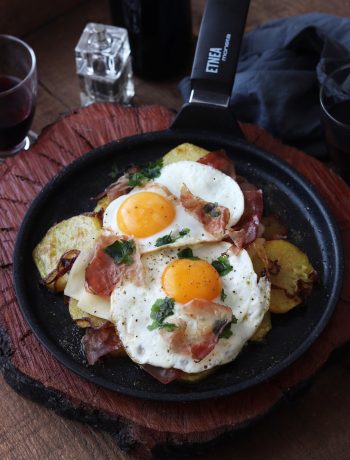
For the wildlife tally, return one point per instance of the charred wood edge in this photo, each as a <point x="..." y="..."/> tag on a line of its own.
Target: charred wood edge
<point x="121" y="429"/>
<point x="36" y="391"/>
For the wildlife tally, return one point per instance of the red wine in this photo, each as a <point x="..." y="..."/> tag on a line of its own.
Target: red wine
<point x="16" y="112"/>
<point x="160" y="34"/>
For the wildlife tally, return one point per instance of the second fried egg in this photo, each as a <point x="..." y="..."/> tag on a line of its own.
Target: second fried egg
<point x="155" y="217"/>
<point x="182" y="297"/>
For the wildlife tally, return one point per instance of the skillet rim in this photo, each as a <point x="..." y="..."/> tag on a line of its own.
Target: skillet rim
<point x="83" y="371"/>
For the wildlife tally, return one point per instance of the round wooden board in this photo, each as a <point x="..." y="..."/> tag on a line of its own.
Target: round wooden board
<point x="139" y="425"/>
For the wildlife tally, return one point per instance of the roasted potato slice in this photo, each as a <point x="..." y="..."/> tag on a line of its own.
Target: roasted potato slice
<point x="188" y="152"/>
<point x="197" y="376"/>
<point x="102" y="204"/>
<point x="81" y="318"/>
<point x="264" y="328"/>
<point x="290" y="271"/>
<point x="258" y="256"/>
<point x="274" y="228"/>
<point x="78" y="232"/>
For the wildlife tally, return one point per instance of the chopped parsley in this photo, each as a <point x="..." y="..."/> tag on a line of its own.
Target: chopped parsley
<point x="227" y="333"/>
<point x="151" y="171"/>
<point x="161" y="309"/>
<point x="186" y="253"/>
<point x="115" y="172"/>
<point x="121" y="251"/>
<point x="223" y="295"/>
<point x="169" y="239"/>
<point x="222" y="265"/>
<point x="211" y="209"/>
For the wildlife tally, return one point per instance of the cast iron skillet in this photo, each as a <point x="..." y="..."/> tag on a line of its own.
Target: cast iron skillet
<point x="205" y="121"/>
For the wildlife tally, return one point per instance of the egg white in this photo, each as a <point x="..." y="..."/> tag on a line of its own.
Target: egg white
<point x="181" y="221"/>
<point x="131" y="308"/>
<point x="206" y="182"/>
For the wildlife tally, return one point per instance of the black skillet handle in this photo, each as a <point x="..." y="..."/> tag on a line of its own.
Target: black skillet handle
<point x="214" y="68"/>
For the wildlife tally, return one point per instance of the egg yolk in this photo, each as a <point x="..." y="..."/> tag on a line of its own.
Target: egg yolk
<point x="185" y="279"/>
<point x="144" y="214"/>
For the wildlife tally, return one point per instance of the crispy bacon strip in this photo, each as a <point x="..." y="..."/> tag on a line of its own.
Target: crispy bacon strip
<point x="99" y="342"/>
<point x="210" y="318"/>
<point x="120" y="187"/>
<point x="247" y="229"/>
<point x="102" y="274"/>
<point x="200" y="208"/>
<point x="221" y="161"/>
<point x="161" y="374"/>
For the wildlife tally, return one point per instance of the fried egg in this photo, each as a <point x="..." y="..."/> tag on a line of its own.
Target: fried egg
<point x="206" y="182"/>
<point x="182" y="280"/>
<point x="150" y="213"/>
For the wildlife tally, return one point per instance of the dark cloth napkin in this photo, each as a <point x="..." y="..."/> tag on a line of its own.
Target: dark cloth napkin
<point x="281" y="66"/>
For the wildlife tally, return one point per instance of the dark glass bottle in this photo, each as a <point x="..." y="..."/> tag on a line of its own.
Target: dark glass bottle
<point x="160" y="34"/>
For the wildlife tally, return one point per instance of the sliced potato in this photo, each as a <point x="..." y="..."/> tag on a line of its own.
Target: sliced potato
<point x="258" y="256"/>
<point x="102" y="204"/>
<point x="197" y="376"/>
<point x="282" y="303"/>
<point x="78" y="232"/>
<point x="274" y="228"/>
<point x="290" y="271"/>
<point x="263" y="329"/>
<point x="81" y="318"/>
<point x="182" y="152"/>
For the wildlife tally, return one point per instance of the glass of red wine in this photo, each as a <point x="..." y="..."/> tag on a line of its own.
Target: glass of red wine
<point x="335" y="118"/>
<point x="18" y="90"/>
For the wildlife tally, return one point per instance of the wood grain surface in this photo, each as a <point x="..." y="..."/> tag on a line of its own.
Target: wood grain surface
<point x="313" y="426"/>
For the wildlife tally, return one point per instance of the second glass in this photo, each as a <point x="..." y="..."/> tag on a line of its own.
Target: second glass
<point x="18" y="91"/>
<point x="335" y="118"/>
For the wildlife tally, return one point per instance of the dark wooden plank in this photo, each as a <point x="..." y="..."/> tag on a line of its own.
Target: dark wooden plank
<point x="41" y="434"/>
<point x="21" y="16"/>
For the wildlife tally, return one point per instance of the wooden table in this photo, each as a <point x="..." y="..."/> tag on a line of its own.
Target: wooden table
<point x="314" y="425"/>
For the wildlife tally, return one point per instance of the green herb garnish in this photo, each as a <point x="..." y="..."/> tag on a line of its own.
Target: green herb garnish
<point x="223" y="295"/>
<point x="115" y="172"/>
<point x="183" y="232"/>
<point x="166" y="239"/>
<point x="151" y="171"/>
<point x="222" y="265"/>
<point x="136" y="179"/>
<point x="121" y="251"/>
<point x="161" y="309"/>
<point x="186" y="253"/>
<point x="227" y="333"/>
<point x="169" y="239"/>
<point x="211" y="209"/>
